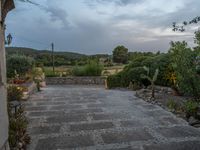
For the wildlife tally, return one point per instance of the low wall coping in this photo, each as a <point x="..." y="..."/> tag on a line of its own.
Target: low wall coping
<point x="87" y="80"/>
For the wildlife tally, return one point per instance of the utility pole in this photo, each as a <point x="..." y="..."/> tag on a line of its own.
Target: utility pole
<point x="52" y="55"/>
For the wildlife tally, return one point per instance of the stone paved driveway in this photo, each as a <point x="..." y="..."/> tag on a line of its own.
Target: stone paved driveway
<point x="92" y="118"/>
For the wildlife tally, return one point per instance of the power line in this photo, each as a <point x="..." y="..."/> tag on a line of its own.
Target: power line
<point x="46" y="46"/>
<point x="29" y="40"/>
<point x="33" y="3"/>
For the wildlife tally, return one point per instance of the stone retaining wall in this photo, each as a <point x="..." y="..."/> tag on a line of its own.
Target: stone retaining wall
<point x="76" y="80"/>
<point x="162" y="89"/>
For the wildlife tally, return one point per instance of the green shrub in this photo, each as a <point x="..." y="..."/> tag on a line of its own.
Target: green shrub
<point x="14" y="93"/>
<point x="160" y="62"/>
<point x="197" y="62"/>
<point x="114" y="81"/>
<point x="20" y="64"/>
<point x="91" y="69"/>
<point x="123" y="79"/>
<point x="50" y="73"/>
<point x="134" y="75"/>
<point x="79" y="71"/>
<point x="198" y="69"/>
<point x="18" y="137"/>
<point x="137" y="62"/>
<point x="191" y="108"/>
<point x="133" y="71"/>
<point x="171" y="104"/>
<point x="183" y="62"/>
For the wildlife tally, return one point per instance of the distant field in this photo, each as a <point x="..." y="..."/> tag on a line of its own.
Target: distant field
<point x="59" y="69"/>
<point x="68" y="69"/>
<point x="112" y="70"/>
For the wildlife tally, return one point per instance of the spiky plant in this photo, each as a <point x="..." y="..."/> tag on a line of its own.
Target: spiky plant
<point x="151" y="79"/>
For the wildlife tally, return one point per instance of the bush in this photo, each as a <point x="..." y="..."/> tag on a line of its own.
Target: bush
<point x="50" y="73"/>
<point x="137" y="62"/>
<point x="133" y="71"/>
<point x="160" y="62"/>
<point x="91" y="69"/>
<point x="191" y="108"/>
<point x="114" y="81"/>
<point x="20" y="64"/>
<point x="78" y="71"/>
<point x="183" y="62"/>
<point x="172" y="105"/>
<point x="14" y="93"/>
<point x="18" y="137"/>
<point x="124" y="78"/>
<point x="134" y="75"/>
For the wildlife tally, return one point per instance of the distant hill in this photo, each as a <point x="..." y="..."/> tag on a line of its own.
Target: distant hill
<point x="45" y="57"/>
<point x="34" y="52"/>
<point x="61" y="58"/>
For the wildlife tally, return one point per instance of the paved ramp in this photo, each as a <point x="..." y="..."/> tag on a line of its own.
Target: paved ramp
<point x="92" y="118"/>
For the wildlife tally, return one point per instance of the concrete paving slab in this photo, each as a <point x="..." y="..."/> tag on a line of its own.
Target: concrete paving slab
<point x="91" y="126"/>
<point x="186" y="145"/>
<point x="126" y="136"/>
<point x="93" y="118"/>
<point x="64" y="142"/>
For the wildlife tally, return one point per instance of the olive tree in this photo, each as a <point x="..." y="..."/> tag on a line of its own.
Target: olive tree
<point x="120" y="54"/>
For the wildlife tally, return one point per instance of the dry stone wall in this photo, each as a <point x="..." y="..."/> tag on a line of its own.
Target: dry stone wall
<point x="75" y="80"/>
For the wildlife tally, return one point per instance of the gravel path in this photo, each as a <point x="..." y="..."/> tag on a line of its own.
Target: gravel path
<point x="92" y="118"/>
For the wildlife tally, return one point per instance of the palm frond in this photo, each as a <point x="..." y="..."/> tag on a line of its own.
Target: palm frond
<point x="155" y="75"/>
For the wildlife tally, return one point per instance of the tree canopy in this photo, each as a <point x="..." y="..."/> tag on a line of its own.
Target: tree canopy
<point x="181" y="27"/>
<point x="120" y="54"/>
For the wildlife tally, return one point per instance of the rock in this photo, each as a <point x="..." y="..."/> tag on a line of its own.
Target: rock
<point x="20" y="145"/>
<point x="198" y="113"/>
<point x="193" y="122"/>
<point x="197" y="125"/>
<point x="160" y="104"/>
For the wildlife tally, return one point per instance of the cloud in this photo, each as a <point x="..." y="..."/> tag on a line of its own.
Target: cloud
<point x="126" y="2"/>
<point x="57" y="14"/>
<point x="97" y="26"/>
<point x="116" y="2"/>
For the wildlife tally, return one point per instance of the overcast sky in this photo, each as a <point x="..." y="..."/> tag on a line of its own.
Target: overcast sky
<point x="98" y="26"/>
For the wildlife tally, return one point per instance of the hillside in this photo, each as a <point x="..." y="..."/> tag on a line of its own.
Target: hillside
<point x="34" y="52"/>
<point x="61" y="58"/>
<point x="45" y="56"/>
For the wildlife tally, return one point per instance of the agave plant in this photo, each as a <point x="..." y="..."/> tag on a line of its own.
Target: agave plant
<point x="151" y="79"/>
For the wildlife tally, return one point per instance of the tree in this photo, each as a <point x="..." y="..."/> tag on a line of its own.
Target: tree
<point x="120" y="54"/>
<point x="18" y="64"/>
<point x="181" y="27"/>
<point x="183" y="63"/>
<point x="197" y="38"/>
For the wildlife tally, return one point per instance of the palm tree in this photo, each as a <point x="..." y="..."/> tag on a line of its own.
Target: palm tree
<point x="151" y="79"/>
